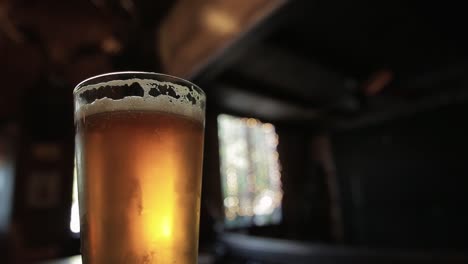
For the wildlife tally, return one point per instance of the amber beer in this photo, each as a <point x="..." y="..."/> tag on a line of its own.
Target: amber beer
<point x="139" y="181"/>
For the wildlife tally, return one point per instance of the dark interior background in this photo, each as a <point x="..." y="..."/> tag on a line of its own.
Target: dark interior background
<point x="403" y="180"/>
<point x="368" y="98"/>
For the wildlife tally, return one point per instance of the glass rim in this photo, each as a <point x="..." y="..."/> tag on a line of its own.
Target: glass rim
<point x="138" y="74"/>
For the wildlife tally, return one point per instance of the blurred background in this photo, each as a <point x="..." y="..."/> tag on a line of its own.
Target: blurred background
<point x="336" y="130"/>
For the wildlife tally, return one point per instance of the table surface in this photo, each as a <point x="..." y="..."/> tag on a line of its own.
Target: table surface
<point x="202" y="259"/>
<point x="71" y="260"/>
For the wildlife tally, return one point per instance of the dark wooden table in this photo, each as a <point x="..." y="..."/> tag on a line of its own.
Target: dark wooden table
<point x="71" y="260"/>
<point x="251" y="249"/>
<point x="202" y="259"/>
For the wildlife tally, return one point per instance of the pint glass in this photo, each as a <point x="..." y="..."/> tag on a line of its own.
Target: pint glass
<point x="139" y="148"/>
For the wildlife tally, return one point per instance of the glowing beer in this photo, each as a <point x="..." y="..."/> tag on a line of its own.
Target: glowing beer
<point x="139" y="146"/>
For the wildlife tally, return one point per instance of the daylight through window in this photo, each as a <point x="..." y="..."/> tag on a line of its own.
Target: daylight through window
<point x="250" y="171"/>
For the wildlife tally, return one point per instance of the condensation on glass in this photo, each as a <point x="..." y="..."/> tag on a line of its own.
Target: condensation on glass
<point x="139" y="148"/>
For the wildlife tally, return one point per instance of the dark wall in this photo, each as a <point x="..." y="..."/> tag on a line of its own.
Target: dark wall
<point x="305" y="200"/>
<point x="44" y="172"/>
<point x="211" y="211"/>
<point x="404" y="182"/>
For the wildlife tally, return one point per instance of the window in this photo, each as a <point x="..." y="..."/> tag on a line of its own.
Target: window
<point x="250" y="171"/>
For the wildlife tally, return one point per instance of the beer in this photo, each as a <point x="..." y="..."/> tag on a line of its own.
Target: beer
<point x="139" y="181"/>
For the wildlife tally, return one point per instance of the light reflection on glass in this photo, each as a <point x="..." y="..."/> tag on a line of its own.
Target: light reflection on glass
<point x="75" y="214"/>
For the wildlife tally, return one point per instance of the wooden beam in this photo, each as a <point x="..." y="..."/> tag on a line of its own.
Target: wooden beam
<point x="296" y="75"/>
<point x="252" y="104"/>
<point x="197" y="34"/>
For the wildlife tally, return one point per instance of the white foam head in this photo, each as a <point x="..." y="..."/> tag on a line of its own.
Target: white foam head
<point x="187" y="100"/>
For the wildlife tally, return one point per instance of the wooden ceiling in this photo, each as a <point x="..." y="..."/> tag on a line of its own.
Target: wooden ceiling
<point x="59" y="43"/>
<point x="277" y="60"/>
<point x="43" y="43"/>
<point x="346" y="60"/>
